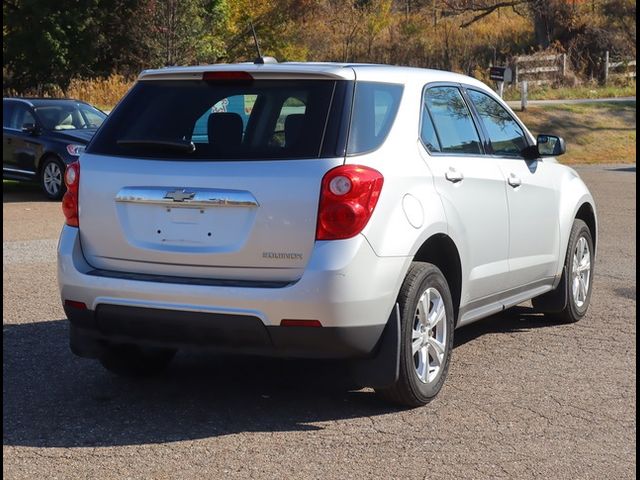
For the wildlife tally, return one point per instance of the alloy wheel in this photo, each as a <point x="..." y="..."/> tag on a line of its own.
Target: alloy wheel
<point x="52" y="178"/>
<point x="581" y="272"/>
<point x="429" y="335"/>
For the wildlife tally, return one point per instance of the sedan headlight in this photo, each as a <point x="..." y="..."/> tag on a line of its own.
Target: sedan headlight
<point x="75" y="150"/>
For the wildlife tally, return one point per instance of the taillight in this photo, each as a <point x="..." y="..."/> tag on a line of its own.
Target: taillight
<point x="348" y="196"/>
<point x="70" y="199"/>
<point x="227" y="76"/>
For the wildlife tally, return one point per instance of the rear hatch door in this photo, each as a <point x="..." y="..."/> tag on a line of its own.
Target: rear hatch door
<point x="212" y="178"/>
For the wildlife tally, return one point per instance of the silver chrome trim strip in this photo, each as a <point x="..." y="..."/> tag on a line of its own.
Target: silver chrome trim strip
<point x="18" y="171"/>
<point x="193" y="197"/>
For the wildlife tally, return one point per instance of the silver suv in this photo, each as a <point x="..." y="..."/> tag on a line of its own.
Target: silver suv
<point x="360" y="212"/>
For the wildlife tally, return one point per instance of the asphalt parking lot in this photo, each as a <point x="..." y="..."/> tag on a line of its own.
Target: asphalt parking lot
<point x="525" y="398"/>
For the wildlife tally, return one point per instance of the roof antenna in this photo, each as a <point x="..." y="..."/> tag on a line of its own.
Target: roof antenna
<point x="260" y="59"/>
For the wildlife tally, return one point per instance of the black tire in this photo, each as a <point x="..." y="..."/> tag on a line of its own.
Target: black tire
<point x="572" y="312"/>
<point x="51" y="190"/>
<point x="409" y="390"/>
<point x="134" y="361"/>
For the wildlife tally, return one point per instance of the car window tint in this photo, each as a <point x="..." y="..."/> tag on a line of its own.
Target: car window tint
<point x="93" y="118"/>
<point x="506" y="136"/>
<point x="49" y="116"/>
<point x="374" y="110"/>
<point x="452" y="121"/>
<point x="21" y="115"/>
<point x="7" y="108"/>
<point x="69" y="121"/>
<point x="63" y="117"/>
<point x="225" y="120"/>
<point x="428" y="133"/>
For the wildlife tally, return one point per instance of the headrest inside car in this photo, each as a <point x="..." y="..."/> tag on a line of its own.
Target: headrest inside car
<point x="225" y="129"/>
<point x="293" y="129"/>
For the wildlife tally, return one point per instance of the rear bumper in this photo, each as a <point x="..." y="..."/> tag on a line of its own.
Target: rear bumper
<point x="92" y="330"/>
<point x="345" y="286"/>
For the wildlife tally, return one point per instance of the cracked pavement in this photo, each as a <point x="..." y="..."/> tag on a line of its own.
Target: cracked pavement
<point x="525" y="398"/>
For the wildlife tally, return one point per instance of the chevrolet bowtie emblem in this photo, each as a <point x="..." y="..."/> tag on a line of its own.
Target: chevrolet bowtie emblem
<point x="180" y="195"/>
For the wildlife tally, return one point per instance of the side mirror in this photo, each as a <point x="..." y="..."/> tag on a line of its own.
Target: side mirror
<point x="30" y="128"/>
<point x="550" y="145"/>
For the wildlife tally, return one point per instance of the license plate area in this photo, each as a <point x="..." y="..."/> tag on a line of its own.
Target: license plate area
<point x="210" y="221"/>
<point x="187" y="226"/>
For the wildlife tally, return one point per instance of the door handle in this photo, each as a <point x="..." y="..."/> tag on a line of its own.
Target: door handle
<point x="453" y="175"/>
<point x="9" y="141"/>
<point x="514" y="181"/>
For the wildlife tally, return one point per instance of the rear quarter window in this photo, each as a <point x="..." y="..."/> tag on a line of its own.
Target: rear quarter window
<point x="375" y="106"/>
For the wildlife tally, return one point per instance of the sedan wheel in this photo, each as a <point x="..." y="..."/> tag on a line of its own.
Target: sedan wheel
<point x="51" y="178"/>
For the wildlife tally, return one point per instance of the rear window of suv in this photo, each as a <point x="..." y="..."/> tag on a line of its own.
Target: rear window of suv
<point x="254" y="120"/>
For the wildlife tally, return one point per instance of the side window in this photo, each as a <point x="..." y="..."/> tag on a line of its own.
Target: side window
<point x="25" y="116"/>
<point x="7" y="110"/>
<point x="94" y="120"/>
<point x="428" y="132"/>
<point x="20" y="115"/>
<point x="374" y="110"/>
<point x="506" y="136"/>
<point x="452" y="120"/>
<point x="69" y="119"/>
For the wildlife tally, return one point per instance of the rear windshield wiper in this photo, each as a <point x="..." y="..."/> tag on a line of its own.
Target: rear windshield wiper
<point x="180" y="145"/>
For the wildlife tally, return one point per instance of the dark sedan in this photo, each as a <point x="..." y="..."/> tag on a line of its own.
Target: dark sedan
<point x="41" y="136"/>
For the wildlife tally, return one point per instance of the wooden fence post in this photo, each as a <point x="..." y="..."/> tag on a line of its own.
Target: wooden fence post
<point x="523" y="95"/>
<point x="606" y="67"/>
<point x="564" y="65"/>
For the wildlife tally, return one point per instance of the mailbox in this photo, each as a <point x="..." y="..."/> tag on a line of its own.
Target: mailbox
<point x="500" y="74"/>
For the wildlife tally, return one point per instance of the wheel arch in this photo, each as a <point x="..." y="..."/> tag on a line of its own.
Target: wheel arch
<point x="45" y="155"/>
<point x="440" y="250"/>
<point x="575" y="202"/>
<point x="587" y="214"/>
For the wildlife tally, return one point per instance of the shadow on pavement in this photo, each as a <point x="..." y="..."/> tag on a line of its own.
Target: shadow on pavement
<point x="54" y="399"/>
<point x="14" y="192"/>
<point x="623" y="169"/>
<point x="516" y="319"/>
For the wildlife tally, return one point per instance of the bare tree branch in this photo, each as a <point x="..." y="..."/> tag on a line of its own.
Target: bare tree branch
<point x="484" y="9"/>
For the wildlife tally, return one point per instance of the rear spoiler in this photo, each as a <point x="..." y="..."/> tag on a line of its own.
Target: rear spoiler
<point x="258" y="72"/>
